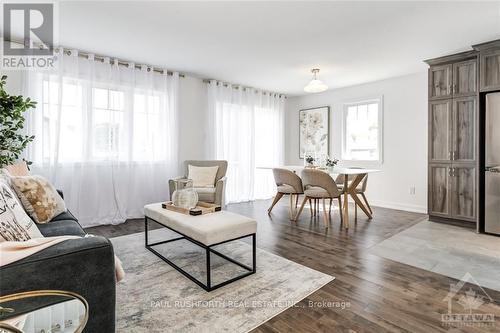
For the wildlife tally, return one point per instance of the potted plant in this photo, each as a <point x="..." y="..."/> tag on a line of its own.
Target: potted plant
<point x="331" y="163"/>
<point x="309" y="161"/>
<point x="12" y="142"/>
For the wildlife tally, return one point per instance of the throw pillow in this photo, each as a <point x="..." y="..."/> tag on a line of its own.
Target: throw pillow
<point x="15" y="224"/>
<point x="202" y="176"/>
<point x="18" y="169"/>
<point x="39" y="198"/>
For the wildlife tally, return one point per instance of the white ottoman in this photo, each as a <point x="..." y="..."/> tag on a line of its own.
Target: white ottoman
<point x="205" y="231"/>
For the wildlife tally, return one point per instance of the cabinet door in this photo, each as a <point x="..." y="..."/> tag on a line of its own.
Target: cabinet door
<point x="464" y="78"/>
<point x="440" y="131"/>
<point x="463" y="200"/>
<point x="490" y="70"/>
<point x="440" y="81"/>
<point x="464" y="129"/>
<point x="439" y="186"/>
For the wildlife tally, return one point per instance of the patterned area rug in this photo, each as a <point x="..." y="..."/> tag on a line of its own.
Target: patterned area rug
<point x="154" y="297"/>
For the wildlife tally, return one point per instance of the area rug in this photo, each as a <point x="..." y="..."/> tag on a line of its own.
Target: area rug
<point x="447" y="250"/>
<point x="154" y="297"/>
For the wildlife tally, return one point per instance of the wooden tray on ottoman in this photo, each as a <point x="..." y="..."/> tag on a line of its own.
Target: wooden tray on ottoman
<point x="200" y="209"/>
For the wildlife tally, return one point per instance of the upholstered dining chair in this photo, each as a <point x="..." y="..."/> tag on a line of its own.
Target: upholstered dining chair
<point x="360" y="189"/>
<point x="288" y="183"/>
<point x="319" y="185"/>
<point x="212" y="194"/>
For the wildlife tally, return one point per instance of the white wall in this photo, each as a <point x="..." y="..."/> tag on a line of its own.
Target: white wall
<point x="404" y="136"/>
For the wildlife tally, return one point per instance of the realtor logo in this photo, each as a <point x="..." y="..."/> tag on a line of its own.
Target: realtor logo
<point x="28" y="40"/>
<point x="464" y="305"/>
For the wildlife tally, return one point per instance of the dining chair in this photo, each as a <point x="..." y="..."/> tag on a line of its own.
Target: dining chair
<point x="288" y="183"/>
<point x="360" y="189"/>
<point x="319" y="185"/>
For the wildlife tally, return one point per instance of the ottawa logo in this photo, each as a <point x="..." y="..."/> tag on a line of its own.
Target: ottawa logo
<point x="464" y="305"/>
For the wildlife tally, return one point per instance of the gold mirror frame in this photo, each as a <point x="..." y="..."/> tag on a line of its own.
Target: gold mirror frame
<point x="38" y="293"/>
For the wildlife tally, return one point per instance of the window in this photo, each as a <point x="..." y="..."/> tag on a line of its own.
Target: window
<point x="69" y="117"/>
<point x="108" y="123"/>
<point x="84" y="123"/>
<point x="362" y="131"/>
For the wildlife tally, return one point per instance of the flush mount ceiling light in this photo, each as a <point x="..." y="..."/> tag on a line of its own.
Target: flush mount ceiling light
<point x="315" y="86"/>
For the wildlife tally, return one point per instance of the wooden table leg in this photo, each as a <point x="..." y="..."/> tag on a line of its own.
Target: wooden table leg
<point x="354" y="195"/>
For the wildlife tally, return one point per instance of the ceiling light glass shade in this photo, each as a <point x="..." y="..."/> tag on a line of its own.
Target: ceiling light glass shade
<point x="315" y="86"/>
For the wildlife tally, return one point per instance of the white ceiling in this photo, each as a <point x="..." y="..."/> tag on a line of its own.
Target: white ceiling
<point x="273" y="45"/>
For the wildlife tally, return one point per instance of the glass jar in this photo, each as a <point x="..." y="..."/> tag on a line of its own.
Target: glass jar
<point x="184" y="195"/>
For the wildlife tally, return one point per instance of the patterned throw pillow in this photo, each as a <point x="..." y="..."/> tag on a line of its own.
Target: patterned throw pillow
<point x="15" y="224"/>
<point x="18" y="169"/>
<point x="39" y="198"/>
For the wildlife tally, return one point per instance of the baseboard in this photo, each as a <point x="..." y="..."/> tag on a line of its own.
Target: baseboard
<point x="399" y="206"/>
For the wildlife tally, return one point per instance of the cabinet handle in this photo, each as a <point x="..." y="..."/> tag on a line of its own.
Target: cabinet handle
<point x="449" y="172"/>
<point x="454" y="88"/>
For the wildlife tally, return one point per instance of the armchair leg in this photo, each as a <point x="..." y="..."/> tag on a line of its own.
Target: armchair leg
<point x="277" y="198"/>
<point x="302" y="207"/>
<point x="311" y="208"/>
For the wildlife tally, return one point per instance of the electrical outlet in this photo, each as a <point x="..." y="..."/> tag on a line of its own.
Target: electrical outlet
<point x="412" y="190"/>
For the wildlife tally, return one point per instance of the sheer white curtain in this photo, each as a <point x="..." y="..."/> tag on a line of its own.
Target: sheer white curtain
<point x="104" y="134"/>
<point x="246" y="129"/>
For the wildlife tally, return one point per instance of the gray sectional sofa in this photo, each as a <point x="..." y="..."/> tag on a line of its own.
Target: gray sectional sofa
<point x="84" y="266"/>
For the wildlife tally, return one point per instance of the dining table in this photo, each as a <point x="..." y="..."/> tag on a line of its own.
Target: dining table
<point x="352" y="176"/>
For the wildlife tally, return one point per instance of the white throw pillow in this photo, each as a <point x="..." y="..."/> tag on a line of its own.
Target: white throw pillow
<point x="15" y="224"/>
<point x="202" y="176"/>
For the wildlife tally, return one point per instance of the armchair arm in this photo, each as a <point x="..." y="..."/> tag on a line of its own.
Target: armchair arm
<point x="84" y="266"/>
<point x="171" y="185"/>
<point x="220" y="191"/>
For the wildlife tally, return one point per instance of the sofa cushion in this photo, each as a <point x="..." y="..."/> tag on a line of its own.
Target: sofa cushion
<point x="64" y="216"/>
<point x="61" y="228"/>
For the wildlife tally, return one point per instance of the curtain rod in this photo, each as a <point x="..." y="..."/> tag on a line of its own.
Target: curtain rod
<point x="97" y="57"/>
<point x="225" y="84"/>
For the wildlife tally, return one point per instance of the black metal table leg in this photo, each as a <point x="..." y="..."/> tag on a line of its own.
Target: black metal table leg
<point x="208" y="250"/>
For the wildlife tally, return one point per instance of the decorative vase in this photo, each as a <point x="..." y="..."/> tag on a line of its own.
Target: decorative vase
<point x="184" y="195"/>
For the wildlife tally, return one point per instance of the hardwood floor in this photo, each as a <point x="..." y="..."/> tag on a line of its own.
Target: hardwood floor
<point x="379" y="295"/>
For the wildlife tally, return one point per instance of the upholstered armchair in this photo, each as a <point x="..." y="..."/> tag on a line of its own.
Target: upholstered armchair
<point x="213" y="194"/>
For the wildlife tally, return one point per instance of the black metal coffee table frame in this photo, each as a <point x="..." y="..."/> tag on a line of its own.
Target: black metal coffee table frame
<point x="208" y="250"/>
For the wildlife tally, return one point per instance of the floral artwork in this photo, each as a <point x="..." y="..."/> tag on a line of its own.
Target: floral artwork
<point x="314" y="131"/>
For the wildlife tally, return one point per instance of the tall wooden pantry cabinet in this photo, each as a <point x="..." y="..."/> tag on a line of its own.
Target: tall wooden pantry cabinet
<point x="457" y="86"/>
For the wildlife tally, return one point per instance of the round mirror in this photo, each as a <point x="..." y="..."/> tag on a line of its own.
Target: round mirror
<point x="43" y="311"/>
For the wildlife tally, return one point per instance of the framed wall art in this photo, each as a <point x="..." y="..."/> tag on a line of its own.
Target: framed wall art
<point x="314" y="131"/>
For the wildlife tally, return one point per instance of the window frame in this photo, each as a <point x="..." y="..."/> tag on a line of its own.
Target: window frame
<point x="380" y="142"/>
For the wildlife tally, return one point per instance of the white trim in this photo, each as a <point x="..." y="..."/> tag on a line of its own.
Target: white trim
<point x="399" y="206"/>
<point x="380" y="101"/>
